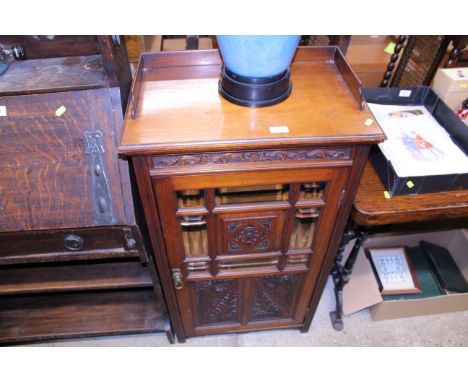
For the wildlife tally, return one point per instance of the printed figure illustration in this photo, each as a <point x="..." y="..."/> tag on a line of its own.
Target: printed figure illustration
<point x="420" y="148"/>
<point x="417" y="144"/>
<point x="406" y="113"/>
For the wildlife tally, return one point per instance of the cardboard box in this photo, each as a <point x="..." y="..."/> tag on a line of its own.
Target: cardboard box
<point x="418" y="96"/>
<point x="451" y="80"/>
<point x="362" y="291"/>
<point x="451" y="85"/>
<point x="454" y="100"/>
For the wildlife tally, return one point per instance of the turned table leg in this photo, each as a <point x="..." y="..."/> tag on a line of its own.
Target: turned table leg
<point x="342" y="273"/>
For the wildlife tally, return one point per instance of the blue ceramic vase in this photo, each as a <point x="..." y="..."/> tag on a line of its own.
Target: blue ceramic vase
<point x="256" y="69"/>
<point x="257" y="56"/>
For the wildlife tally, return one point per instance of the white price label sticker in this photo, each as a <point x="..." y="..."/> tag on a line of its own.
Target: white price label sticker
<point x="279" y="129"/>
<point x="62" y="109"/>
<point x="404" y="93"/>
<point x="2" y="111"/>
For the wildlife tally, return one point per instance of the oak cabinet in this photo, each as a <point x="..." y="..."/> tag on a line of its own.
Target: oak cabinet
<point x="73" y="261"/>
<point x="243" y="222"/>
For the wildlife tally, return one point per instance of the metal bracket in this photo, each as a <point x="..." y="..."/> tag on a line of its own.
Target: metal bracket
<point x="177" y="279"/>
<point x="116" y="40"/>
<point x="73" y="242"/>
<point x="340" y="273"/>
<point x="99" y="184"/>
<point x="192" y="42"/>
<point x="341" y="197"/>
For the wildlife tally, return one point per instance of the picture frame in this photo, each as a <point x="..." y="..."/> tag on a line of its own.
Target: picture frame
<point x="394" y="270"/>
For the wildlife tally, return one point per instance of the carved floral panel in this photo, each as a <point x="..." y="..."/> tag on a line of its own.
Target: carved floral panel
<point x="216" y="301"/>
<point x="252" y="234"/>
<point x="274" y="297"/>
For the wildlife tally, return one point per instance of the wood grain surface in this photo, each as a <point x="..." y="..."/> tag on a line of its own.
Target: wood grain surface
<point x="40" y="317"/>
<point x="53" y="46"/>
<point x="54" y="74"/>
<point x="174" y="114"/>
<point x="62" y="278"/>
<point x="45" y="177"/>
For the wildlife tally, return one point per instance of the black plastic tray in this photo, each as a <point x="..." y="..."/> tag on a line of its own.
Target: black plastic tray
<point x="419" y="96"/>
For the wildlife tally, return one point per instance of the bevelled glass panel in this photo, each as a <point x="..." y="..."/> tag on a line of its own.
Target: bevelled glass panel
<point x="198" y="266"/>
<point x="248" y="263"/>
<point x="251" y="194"/>
<point x="303" y="229"/>
<point x="190" y="198"/>
<point x="312" y="190"/>
<point x="297" y="259"/>
<point x="194" y="236"/>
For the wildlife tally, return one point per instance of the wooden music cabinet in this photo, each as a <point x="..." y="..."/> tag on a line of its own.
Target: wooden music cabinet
<point x="72" y="258"/>
<point x="245" y="207"/>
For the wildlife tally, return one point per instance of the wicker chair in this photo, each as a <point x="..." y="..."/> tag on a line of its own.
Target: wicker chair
<point x="420" y="58"/>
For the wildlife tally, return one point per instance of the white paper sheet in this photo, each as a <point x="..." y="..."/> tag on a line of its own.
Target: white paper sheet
<point x="416" y="143"/>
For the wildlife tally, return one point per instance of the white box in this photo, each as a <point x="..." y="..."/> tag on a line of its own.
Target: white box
<point x="451" y="85"/>
<point x="454" y="100"/>
<point x="451" y="80"/>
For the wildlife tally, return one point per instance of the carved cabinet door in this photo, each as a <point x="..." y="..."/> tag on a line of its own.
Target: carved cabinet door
<point x="245" y="248"/>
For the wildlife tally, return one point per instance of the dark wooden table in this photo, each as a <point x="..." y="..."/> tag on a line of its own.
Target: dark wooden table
<point x="371" y="209"/>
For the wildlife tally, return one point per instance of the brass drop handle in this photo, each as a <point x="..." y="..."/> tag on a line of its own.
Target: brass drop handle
<point x="177" y="279"/>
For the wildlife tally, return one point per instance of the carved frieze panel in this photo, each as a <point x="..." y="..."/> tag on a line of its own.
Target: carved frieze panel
<point x="252" y="156"/>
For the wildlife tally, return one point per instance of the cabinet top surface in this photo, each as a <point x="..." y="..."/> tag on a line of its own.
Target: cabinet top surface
<point x="179" y="108"/>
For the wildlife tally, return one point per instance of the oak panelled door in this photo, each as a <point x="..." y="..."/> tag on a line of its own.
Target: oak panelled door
<point x="245" y="248"/>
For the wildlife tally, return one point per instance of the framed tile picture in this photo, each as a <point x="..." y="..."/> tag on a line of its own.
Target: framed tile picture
<point x="394" y="270"/>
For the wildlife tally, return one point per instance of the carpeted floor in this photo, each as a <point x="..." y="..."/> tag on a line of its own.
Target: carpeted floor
<point x="435" y="330"/>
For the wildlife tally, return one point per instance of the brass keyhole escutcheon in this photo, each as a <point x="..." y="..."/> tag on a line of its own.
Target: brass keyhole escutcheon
<point x="177" y="279"/>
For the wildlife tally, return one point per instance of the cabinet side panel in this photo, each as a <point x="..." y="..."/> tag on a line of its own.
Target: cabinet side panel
<point x="339" y="226"/>
<point x="151" y="212"/>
